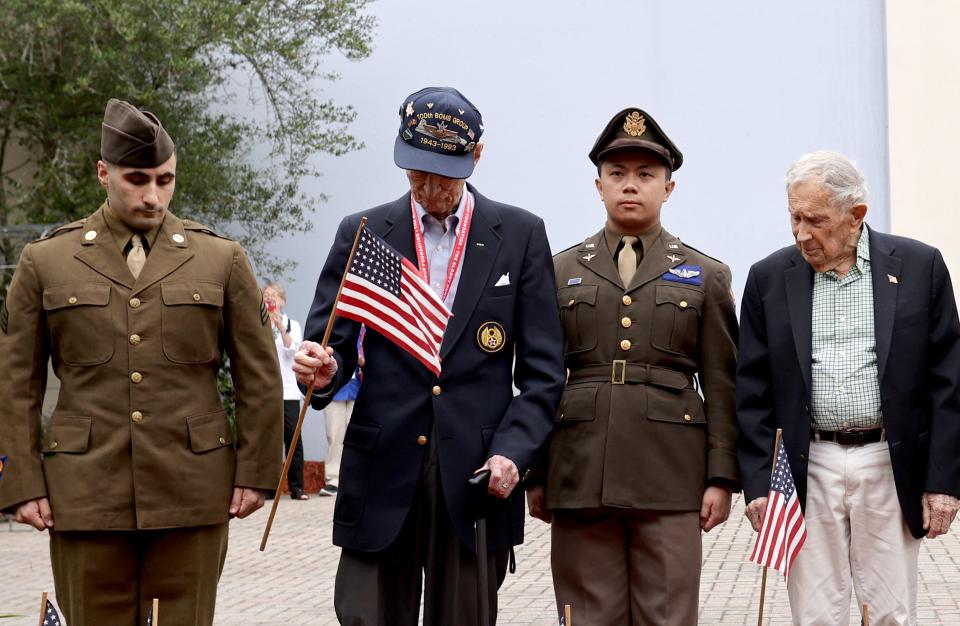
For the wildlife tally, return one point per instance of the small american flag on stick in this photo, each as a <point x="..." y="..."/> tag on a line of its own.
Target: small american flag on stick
<point x="385" y="291"/>
<point x="782" y="531"/>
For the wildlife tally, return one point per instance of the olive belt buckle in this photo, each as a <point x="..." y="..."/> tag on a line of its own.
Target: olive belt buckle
<point x="618" y="372"/>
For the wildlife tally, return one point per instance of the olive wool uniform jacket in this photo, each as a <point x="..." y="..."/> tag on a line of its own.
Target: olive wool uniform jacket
<point x="139" y="437"/>
<point x="471" y="408"/>
<point x="632" y="430"/>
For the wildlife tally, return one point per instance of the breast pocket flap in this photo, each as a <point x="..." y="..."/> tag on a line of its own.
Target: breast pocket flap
<point x="83" y="294"/>
<point x="194" y="292"/>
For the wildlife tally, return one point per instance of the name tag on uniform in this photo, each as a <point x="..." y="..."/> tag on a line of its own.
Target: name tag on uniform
<point x="686" y="274"/>
<point x="574" y="281"/>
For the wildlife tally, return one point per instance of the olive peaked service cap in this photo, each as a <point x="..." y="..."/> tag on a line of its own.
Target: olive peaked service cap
<point x="635" y="129"/>
<point x="131" y="137"/>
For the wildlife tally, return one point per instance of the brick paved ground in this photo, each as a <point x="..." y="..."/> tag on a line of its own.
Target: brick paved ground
<point x="292" y="583"/>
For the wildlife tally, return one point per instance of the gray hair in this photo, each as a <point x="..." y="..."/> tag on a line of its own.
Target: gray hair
<point x="835" y="173"/>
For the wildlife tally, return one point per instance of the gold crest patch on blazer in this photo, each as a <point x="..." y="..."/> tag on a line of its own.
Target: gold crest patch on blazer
<point x="491" y="337"/>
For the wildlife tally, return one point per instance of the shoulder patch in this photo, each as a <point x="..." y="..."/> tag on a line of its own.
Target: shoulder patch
<point x="60" y="230"/>
<point x="4" y="316"/>
<point x="264" y="313"/>
<point x="201" y="228"/>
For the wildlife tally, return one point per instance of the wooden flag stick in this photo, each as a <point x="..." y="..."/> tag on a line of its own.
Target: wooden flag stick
<point x="763" y="578"/>
<point x="156" y="612"/>
<point x="306" y="400"/>
<point x="567" y="617"/>
<point x="43" y="608"/>
<point x="866" y="615"/>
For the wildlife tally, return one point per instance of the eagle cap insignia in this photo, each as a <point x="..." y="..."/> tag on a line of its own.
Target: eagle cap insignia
<point x="634" y="125"/>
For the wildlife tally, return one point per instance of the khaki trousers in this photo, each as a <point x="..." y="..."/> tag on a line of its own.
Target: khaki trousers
<point x="111" y="577"/>
<point x="618" y="567"/>
<point x="856" y="536"/>
<point x="337" y="416"/>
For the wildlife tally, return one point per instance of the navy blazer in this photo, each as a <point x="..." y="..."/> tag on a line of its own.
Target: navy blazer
<point x="476" y="415"/>
<point x="918" y="358"/>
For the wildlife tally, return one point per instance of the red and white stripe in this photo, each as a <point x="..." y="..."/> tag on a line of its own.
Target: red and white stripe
<point x="781" y="534"/>
<point x="415" y="321"/>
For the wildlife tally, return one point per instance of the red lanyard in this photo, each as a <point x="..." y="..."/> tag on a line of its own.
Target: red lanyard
<point x="458" y="246"/>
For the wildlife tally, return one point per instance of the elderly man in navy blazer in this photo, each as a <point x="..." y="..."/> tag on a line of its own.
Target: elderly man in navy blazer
<point x="849" y="342"/>
<point x="415" y="438"/>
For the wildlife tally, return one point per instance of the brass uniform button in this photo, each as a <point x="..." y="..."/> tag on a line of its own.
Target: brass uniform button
<point x="222" y="441"/>
<point x="134" y="340"/>
<point x="627" y="300"/>
<point x="54" y="445"/>
<point x="137" y="417"/>
<point x="626" y="322"/>
<point x="422" y="440"/>
<point x="72" y="300"/>
<point x="625" y="344"/>
<point x="683" y="304"/>
<point x="135" y="303"/>
<point x="687" y="417"/>
<point x="196" y="297"/>
<point x="136" y="377"/>
<point x="436" y="390"/>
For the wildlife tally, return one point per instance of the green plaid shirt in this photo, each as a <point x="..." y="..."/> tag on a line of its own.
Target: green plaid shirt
<point x="846" y="388"/>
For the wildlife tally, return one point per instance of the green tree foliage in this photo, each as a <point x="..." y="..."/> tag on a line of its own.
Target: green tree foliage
<point x="185" y="60"/>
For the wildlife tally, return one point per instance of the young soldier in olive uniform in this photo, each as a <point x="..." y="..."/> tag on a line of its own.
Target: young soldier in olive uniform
<point x="139" y="472"/>
<point x="638" y="463"/>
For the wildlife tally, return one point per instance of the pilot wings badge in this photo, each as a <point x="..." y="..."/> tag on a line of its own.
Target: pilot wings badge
<point x="686" y="274"/>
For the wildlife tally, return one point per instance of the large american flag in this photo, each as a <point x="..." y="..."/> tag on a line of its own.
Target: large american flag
<point x="783" y="531"/>
<point x="385" y="291"/>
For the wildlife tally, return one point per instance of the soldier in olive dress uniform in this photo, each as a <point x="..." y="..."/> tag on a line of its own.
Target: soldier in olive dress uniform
<point x="643" y="457"/>
<point x="139" y="470"/>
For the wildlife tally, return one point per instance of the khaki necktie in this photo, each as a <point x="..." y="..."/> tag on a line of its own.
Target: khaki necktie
<point x="627" y="260"/>
<point x="136" y="257"/>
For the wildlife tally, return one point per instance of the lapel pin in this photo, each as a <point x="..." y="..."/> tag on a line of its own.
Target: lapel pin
<point x="588" y="257"/>
<point x="674" y="258"/>
<point x="90" y="235"/>
<point x="178" y="238"/>
<point x="479" y="244"/>
<point x="673" y="246"/>
<point x="892" y="279"/>
<point x="590" y="246"/>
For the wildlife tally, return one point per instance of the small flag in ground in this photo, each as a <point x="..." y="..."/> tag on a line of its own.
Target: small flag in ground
<point x="385" y="291"/>
<point x="783" y="531"/>
<point x="50" y="616"/>
<point x="3" y="463"/>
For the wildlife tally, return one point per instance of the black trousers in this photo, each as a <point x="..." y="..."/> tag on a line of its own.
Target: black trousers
<point x="384" y="588"/>
<point x="291" y="412"/>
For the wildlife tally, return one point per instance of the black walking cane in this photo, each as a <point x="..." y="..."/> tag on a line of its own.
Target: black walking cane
<point x="477" y="494"/>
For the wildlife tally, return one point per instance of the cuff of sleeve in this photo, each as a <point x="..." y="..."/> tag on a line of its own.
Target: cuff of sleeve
<point x="722" y="466"/>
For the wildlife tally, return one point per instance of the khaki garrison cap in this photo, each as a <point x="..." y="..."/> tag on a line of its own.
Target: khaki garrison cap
<point x="634" y="129"/>
<point x="133" y="137"/>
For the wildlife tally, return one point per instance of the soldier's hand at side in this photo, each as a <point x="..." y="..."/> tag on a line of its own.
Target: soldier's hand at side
<point x="939" y="509"/>
<point x="537" y="503"/>
<point x="312" y="362"/>
<point x="755" y="511"/>
<point x="37" y="513"/>
<point x="715" y="507"/>
<point x="245" y="501"/>
<point x="504" y="476"/>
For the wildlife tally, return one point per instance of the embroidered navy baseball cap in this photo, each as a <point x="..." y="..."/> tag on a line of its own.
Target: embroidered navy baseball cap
<point x="439" y="129"/>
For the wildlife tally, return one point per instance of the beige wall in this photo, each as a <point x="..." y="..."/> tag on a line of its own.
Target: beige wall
<point x="923" y="74"/>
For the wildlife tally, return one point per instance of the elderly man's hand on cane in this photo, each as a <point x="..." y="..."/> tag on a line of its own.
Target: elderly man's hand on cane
<point x="314" y="364"/>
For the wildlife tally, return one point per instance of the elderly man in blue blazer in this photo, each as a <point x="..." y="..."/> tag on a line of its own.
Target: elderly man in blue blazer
<point x="849" y="342"/>
<point x="402" y="512"/>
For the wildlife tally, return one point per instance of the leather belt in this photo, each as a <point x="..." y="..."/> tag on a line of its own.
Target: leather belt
<point x="849" y="437"/>
<point x="620" y="372"/>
